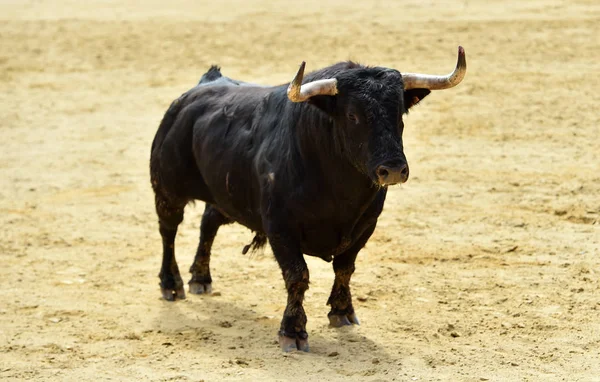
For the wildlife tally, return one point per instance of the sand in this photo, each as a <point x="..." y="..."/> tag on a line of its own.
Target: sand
<point x="484" y="266"/>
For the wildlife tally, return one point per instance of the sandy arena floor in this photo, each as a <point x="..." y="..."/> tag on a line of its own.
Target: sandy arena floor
<point x="484" y="266"/>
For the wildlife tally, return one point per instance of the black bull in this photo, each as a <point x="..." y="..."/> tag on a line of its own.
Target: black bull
<point x="306" y="167"/>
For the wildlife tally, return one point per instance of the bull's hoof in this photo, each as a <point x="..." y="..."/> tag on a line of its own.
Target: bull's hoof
<point x="339" y="320"/>
<point x="200" y="288"/>
<point x="289" y="344"/>
<point x="173" y="294"/>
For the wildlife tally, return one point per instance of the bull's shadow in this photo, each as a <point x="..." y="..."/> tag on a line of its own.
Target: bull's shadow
<point x="207" y="322"/>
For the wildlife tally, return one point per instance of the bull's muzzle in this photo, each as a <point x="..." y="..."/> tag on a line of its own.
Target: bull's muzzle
<point x="388" y="175"/>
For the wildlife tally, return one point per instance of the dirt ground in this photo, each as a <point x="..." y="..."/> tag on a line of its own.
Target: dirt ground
<point x="484" y="266"/>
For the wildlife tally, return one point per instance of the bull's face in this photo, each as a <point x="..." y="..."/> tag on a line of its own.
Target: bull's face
<point x="367" y="105"/>
<point x="368" y="113"/>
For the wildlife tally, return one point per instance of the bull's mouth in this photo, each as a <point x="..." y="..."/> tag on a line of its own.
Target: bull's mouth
<point x="387" y="184"/>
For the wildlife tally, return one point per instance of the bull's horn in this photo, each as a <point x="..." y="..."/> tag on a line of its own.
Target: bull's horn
<point x="428" y="81"/>
<point x="299" y="93"/>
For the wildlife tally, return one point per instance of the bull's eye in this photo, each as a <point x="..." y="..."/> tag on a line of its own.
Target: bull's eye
<point x="353" y="117"/>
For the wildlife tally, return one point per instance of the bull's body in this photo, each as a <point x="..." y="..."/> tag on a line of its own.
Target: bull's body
<point x="240" y="149"/>
<point x="307" y="176"/>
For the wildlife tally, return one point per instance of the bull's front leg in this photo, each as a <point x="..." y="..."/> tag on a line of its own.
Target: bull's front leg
<point x="292" y="333"/>
<point x="342" y="312"/>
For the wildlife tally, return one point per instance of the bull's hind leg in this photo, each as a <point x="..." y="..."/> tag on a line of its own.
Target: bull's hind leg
<point x="169" y="217"/>
<point x="200" y="269"/>
<point x="340" y="299"/>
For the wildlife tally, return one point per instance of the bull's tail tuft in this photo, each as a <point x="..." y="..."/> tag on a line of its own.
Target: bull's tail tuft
<point x="259" y="241"/>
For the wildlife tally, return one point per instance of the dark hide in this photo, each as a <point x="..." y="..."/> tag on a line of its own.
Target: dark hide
<point x="302" y="175"/>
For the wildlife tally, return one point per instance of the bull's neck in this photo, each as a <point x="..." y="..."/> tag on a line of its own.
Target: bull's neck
<point x="322" y="149"/>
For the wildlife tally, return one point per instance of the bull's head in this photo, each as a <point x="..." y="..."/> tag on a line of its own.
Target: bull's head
<point x="367" y="105"/>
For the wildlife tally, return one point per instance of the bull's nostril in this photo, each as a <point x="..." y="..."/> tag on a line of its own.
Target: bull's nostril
<point x="382" y="173"/>
<point x="404" y="171"/>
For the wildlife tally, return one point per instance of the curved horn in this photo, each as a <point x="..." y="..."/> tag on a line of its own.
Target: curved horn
<point x="299" y="93"/>
<point x="428" y="81"/>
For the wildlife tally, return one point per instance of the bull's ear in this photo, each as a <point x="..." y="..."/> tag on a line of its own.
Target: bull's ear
<point x="413" y="97"/>
<point x="324" y="102"/>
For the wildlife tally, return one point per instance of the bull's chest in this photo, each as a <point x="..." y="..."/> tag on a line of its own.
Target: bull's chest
<point x="326" y="242"/>
<point x="332" y="219"/>
<point x="328" y="237"/>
